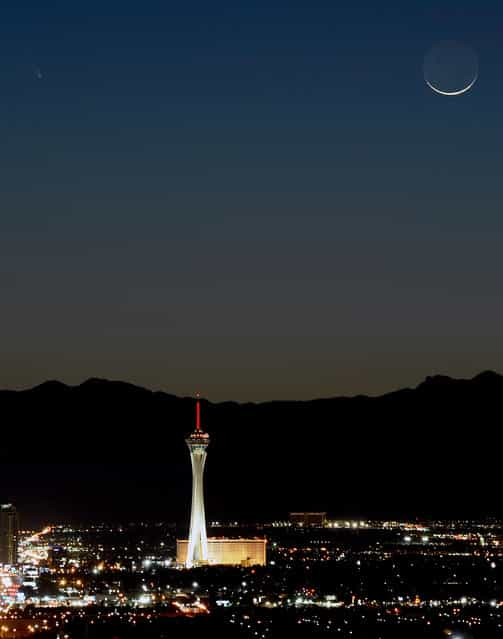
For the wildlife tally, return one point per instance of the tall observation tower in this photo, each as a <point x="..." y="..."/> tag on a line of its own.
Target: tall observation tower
<point x="197" y="551"/>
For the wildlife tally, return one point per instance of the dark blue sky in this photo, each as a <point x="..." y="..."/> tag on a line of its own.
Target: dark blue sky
<point x="256" y="200"/>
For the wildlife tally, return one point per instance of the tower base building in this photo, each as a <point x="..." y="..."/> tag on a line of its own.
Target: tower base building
<point x="228" y="552"/>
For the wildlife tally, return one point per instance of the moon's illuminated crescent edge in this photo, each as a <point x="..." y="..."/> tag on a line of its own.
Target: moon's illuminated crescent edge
<point x="467" y="88"/>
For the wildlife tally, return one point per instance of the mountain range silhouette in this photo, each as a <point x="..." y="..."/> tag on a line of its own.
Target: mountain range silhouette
<point x="429" y="451"/>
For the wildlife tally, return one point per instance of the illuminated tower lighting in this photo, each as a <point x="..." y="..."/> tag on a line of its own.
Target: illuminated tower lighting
<point x="197" y="552"/>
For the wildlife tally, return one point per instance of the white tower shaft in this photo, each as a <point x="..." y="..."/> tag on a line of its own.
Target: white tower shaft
<point x="197" y="551"/>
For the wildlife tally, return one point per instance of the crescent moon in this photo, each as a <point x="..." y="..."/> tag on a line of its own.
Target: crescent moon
<point x="460" y="92"/>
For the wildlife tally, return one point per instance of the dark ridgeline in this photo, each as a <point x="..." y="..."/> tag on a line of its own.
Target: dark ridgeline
<point x="428" y="451"/>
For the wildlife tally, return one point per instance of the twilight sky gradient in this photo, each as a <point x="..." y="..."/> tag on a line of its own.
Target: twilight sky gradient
<point x="254" y="199"/>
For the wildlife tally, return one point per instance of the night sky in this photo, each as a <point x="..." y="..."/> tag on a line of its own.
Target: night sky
<point x="252" y="199"/>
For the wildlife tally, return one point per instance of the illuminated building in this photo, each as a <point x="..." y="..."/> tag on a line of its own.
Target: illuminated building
<point x="230" y="552"/>
<point x="9" y="525"/>
<point x="34" y="549"/>
<point x="197" y="442"/>
<point x="308" y="519"/>
<point x="9" y="587"/>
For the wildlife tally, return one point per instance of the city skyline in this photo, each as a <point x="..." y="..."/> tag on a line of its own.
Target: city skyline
<point x="423" y="578"/>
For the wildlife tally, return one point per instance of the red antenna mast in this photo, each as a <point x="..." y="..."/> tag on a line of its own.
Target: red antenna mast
<point x="198" y="414"/>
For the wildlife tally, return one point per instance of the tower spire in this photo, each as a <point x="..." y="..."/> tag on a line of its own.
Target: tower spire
<point x="198" y="414"/>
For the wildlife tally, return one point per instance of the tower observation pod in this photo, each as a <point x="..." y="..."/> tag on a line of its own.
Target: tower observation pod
<point x="197" y="552"/>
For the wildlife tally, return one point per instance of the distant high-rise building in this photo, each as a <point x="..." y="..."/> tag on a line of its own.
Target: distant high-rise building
<point x="197" y="551"/>
<point x="9" y="526"/>
<point x="308" y="519"/>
